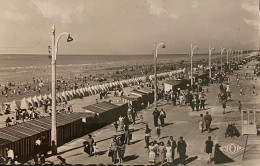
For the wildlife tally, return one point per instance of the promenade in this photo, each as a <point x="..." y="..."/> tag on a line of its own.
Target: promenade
<point x="181" y="122"/>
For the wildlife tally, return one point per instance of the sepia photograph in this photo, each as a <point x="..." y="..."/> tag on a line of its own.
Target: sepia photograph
<point x="130" y="82"/>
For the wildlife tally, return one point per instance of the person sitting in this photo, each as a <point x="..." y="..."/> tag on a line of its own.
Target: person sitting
<point x="14" y="121"/>
<point x="231" y="131"/>
<point x="8" y="121"/>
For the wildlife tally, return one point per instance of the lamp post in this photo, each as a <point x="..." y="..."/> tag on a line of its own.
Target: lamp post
<point x="238" y="56"/>
<point x="221" y="53"/>
<point x="210" y="50"/>
<point x="155" y="70"/>
<point x="191" y="59"/>
<point x="53" y="63"/>
<point x="228" y="63"/>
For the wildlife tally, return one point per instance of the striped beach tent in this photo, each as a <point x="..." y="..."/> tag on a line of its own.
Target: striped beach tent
<point x="24" y="104"/>
<point x="64" y="95"/>
<point x="58" y="98"/>
<point x="71" y="94"/>
<point x="1" y="109"/>
<point x="81" y="90"/>
<point x="30" y="101"/>
<point x="14" y="106"/>
<point x="89" y="91"/>
<point x="70" y="97"/>
<point x="93" y="90"/>
<point x="40" y="97"/>
<point x="37" y="102"/>
<point x="45" y="97"/>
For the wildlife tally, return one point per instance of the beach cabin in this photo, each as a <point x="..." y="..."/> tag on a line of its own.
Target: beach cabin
<point x="132" y="99"/>
<point x="174" y="85"/>
<point x="106" y="112"/>
<point x="21" y="137"/>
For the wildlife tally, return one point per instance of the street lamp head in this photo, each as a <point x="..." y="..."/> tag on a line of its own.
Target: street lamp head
<point x="213" y="49"/>
<point x="163" y="46"/>
<point x="69" y="38"/>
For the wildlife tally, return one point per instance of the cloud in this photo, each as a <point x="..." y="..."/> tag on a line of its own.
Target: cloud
<point x="252" y="8"/>
<point x="156" y="7"/>
<point x="15" y="16"/>
<point x="251" y="22"/>
<point x="66" y="12"/>
<point x="173" y="16"/>
<point x="194" y="4"/>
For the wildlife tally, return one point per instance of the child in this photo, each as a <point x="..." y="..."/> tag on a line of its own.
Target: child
<point x="241" y="90"/>
<point x="158" y="131"/>
<point x="141" y="118"/>
<point x="254" y="90"/>
<point x="116" y="126"/>
<point x="95" y="147"/>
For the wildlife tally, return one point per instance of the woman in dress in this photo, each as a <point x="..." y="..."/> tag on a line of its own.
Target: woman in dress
<point x="120" y="149"/>
<point x="113" y="149"/>
<point x="169" y="153"/>
<point x="201" y="123"/>
<point x="152" y="153"/>
<point x="147" y="135"/>
<point x="161" y="152"/>
<point x="121" y="123"/>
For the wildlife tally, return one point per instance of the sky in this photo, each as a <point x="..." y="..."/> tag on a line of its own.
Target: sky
<point x="128" y="26"/>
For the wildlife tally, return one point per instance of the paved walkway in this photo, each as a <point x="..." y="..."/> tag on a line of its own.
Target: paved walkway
<point x="181" y="122"/>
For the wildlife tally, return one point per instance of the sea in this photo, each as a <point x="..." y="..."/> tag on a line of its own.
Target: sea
<point x="16" y="61"/>
<point x="18" y="66"/>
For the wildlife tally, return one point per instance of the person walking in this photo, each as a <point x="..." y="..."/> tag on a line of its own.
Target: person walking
<point x="224" y="106"/>
<point x="174" y="97"/>
<point x="239" y="106"/>
<point x="113" y="149"/>
<point x="152" y="153"/>
<point x="95" y="149"/>
<point x="169" y="153"/>
<point x="162" y="117"/>
<point x="147" y="135"/>
<point x="156" y="115"/>
<point x="208" y="148"/>
<point x="181" y="149"/>
<point x="161" y="152"/>
<point x="126" y="135"/>
<point x="197" y="103"/>
<point x="133" y="113"/>
<point x="90" y="141"/>
<point x="202" y="102"/>
<point x="207" y="120"/>
<point x="10" y="155"/>
<point x="173" y="146"/>
<point x="120" y="149"/>
<point x="121" y="123"/>
<point x="158" y="131"/>
<point x="201" y="123"/>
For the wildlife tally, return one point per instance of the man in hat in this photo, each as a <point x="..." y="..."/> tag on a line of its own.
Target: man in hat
<point x="90" y="141"/>
<point x="181" y="149"/>
<point x="156" y="115"/>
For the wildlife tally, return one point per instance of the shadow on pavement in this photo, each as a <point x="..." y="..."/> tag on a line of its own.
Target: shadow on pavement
<point x="102" y="152"/>
<point x="134" y="142"/>
<point x="70" y="150"/>
<point x="189" y="160"/>
<point x="164" y="137"/>
<point x="131" y="157"/>
<point x="167" y="124"/>
<point x="213" y="129"/>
